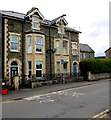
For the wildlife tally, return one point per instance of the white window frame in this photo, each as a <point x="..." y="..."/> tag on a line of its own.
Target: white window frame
<point x="84" y="55"/>
<point x="65" y="49"/>
<point x="74" y="49"/>
<point x="39" y="69"/>
<point x="29" y="45"/>
<point x="34" y="22"/>
<point x="36" y="44"/>
<point x="58" y="46"/>
<point x="13" y="42"/>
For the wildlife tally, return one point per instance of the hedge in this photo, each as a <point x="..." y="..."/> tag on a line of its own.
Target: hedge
<point x="95" y="66"/>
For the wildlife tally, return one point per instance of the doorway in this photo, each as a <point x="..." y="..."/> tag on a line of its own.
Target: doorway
<point x="75" y="68"/>
<point x="13" y="71"/>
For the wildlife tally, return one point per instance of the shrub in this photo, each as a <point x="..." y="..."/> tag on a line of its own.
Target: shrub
<point x="95" y="66"/>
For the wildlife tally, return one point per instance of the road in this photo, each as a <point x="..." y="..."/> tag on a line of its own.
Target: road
<point x="81" y="102"/>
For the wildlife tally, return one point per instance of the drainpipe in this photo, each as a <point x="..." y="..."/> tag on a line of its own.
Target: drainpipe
<point x="23" y="56"/>
<point x="50" y="52"/>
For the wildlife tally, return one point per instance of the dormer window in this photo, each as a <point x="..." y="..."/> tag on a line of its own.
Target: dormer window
<point x="61" y="28"/>
<point x="35" y="23"/>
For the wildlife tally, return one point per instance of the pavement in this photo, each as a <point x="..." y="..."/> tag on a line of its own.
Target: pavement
<point x="23" y="93"/>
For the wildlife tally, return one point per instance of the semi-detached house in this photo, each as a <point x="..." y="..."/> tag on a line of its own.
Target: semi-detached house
<point x="33" y="46"/>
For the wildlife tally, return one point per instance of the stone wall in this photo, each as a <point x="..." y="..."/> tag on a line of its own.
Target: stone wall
<point x="98" y="76"/>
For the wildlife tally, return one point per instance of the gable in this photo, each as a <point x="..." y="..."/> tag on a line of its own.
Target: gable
<point x="34" y="11"/>
<point x="59" y="20"/>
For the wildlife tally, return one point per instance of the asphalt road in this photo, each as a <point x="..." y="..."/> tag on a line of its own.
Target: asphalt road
<point x="81" y="102"/>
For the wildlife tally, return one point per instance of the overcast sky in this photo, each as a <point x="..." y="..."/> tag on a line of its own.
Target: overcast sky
<point x="91" y="17"/>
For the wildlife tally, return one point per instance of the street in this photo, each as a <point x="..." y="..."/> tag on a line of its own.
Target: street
<point x="81" y="102"/>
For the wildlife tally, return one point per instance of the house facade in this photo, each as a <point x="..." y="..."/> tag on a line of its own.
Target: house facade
<point x="108" y="53"/>
<point x="86" y="52"/>
<point x="33" y="46"/>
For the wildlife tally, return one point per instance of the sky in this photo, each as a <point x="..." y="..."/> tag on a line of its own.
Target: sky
<point x="91" y="17"/>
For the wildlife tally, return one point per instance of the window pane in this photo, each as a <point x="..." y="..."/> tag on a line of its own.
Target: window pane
<point x="29" y="44"/>
<point x="35" y="22"/>
<point x="38" y="44"/>
<point x="29" y="65"/>
<point x="14" y="42"/>
<point x="29" y="69"/>
<point x="74" y="49"/>
<point x="35" y="19"/>
<point x="39" y="48"/>
<point x="14" y="46"/>
<point x="38" y="73"/>
<point x="38" y="40"/>
<point x="57" y="43"/>
<point x="39" y="65"/>
<point x="14" y="38"/>
<point x="58" y="46"/>
<point x="29" y="40"/>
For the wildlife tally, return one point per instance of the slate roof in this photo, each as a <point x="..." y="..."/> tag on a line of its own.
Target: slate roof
<point x="35" y="31"/>
<point x="21" y="16"/>
<point x="72" y="30"/>
<point x="107" y="49"/>
<point x="86" y="48"/>
<point x="58" y="18"/>
<point x="13" y="14"/>
<point x="61" y="36"/>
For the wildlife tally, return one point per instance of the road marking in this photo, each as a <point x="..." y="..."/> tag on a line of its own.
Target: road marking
<point x="102" y="114"/>
<point x="66" y="89"/>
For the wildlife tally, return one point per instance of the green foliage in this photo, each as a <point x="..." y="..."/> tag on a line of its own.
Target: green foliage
<point x="95" y="66"/>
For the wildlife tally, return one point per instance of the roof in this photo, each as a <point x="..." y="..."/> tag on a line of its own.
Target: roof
<point x="35" y="31"/>
<point x="22" y="16"/>
<point x="72" y="30"/>
<point x="13" y="14"/>
<point x="60" y="18"/>
<point x="32" y="11"/>
<point x="86" y="48"/>
<point x="107" y="49"/>
<point x="61" y="36"/>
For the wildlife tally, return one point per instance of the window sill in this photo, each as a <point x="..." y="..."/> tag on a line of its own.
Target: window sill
<point x="75" y="55"/>
<point x="14" y="51"/>
<point x="41" y="53"/>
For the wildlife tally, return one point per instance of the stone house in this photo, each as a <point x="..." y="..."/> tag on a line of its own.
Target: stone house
<point x="86" y="52"/>
<point x="33" y="46"/>
<point x="108" y="53"/>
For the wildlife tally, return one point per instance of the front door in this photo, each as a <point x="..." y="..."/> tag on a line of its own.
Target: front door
<point x="13" y="71"/>
<point x="75" y="69"/>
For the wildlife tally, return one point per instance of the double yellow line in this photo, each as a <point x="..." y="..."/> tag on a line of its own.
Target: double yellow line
<point x="102" y="114"/>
